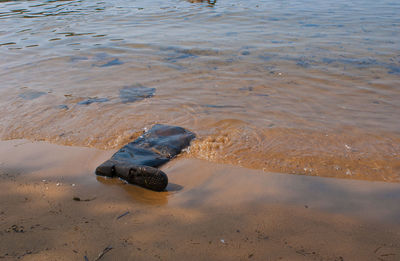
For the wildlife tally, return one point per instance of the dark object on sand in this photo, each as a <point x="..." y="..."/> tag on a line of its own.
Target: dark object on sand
<point x="79" y="199"/>
<point x="105" y="250"/>
<point x="138" y="161"/>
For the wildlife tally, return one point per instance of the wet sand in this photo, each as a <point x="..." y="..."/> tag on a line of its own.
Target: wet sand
<point x="210" y="212"/>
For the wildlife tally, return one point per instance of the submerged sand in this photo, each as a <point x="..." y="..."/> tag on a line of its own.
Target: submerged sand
<point x="210" y="212"/>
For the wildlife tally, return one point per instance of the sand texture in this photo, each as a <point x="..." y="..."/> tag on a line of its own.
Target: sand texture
<point x="53" y="207"/>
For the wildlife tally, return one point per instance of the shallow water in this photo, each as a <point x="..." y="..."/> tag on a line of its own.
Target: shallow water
<point x="300" y="86"/>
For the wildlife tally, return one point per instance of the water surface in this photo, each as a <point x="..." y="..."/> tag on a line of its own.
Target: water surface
<point x="299" y="86"/>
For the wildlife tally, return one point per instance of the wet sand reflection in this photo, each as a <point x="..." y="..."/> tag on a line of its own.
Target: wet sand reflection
<point x="141" y="195"/>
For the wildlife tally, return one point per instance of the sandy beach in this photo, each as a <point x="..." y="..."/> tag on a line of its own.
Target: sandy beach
<point x="294" y="105"/>
<point x="53" y="207"/>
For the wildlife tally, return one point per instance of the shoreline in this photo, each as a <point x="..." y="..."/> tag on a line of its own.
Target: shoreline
<point x="210" y="211"/>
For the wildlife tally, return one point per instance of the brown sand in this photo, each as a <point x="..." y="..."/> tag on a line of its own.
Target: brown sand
<point x="210" y="212"/>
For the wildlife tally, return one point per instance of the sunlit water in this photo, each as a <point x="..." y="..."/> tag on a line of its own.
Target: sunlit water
<point x="305" y="87"/>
